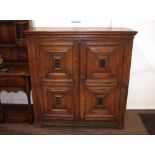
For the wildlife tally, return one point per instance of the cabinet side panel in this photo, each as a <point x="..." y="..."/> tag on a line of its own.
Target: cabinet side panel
<point x="125" y="80"/>
<point x="32" y="49"/>
<point x="127" y="61"/>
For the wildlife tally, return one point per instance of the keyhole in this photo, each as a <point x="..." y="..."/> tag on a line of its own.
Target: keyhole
<point x="56" y="63"/>
<point x="102" y="63"/>
<point x="58" y="100"/>
<point x="100" y="102"/>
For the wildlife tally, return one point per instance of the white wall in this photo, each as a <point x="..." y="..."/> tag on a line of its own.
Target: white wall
<point x="142" y="77"/>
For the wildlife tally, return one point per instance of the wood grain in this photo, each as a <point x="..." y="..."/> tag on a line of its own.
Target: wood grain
<point x="89" y="91"/>
<point x="13" y="49"/>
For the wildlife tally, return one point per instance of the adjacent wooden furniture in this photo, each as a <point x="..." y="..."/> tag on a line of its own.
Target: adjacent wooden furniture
<point x="13" y="49"/>
<point x="80" y="76"/>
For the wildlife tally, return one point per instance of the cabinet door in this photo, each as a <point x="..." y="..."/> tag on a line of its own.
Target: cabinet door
<point x="100" y="78"/>
<point x="57" y="62"/>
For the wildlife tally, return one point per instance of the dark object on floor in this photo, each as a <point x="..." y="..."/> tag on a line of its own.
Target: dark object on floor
<point x="149" y="122"/>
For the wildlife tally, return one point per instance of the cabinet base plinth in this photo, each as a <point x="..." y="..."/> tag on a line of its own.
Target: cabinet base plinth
<point x="82" y="124"/>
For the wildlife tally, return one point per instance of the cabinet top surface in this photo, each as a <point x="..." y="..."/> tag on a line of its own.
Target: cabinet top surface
<point x="79" y="30"/>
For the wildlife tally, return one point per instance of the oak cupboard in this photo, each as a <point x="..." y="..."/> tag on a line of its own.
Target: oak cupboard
<point x="80" y="76"/>
<point x="13" y="50"/>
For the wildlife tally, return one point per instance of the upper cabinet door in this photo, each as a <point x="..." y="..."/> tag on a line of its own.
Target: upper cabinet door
<point x="58" y="75"/>
<point x="100" y="78"/>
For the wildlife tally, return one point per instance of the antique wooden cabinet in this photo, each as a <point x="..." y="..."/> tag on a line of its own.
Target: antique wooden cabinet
<point x="13" y="49"/>
<point x="80" y="76"/>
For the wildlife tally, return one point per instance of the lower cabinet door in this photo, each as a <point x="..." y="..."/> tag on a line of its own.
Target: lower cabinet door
<point x="59" y="102"/>
<point x="100" y="71"/>
<point x="59" y="79"/>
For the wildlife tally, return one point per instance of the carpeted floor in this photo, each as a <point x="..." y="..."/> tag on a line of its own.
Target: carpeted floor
<point x="133" y="126"/>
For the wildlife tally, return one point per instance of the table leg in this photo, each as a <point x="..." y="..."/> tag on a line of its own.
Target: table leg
<point x="30" y="110"/>
<point x="28" y="90"/>
<point x="1" y="113"/>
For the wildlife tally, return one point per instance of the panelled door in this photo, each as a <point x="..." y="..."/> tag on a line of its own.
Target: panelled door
<point x="80" y="80"/>
<point x="100" y="78"/>
<point x="57" y="63"/>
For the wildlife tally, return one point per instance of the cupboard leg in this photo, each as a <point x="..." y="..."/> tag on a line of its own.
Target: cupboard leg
<point x="38" y="123"/>
<point x="120" y="125"/>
